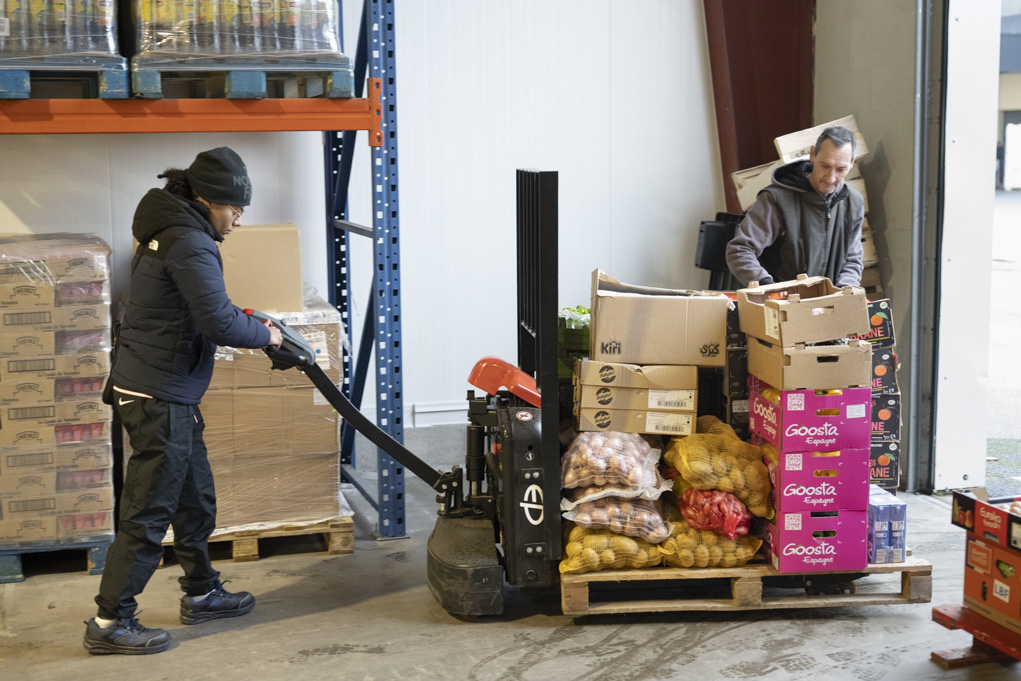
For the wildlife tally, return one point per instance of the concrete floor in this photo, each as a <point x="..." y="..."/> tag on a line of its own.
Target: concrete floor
<point x="369" y="615"/>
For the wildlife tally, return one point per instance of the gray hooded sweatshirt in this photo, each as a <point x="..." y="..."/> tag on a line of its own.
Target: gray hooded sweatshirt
<point x="792" y="230"/>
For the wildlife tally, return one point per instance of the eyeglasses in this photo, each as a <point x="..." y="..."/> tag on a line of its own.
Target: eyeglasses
<point x="238" y="212"/>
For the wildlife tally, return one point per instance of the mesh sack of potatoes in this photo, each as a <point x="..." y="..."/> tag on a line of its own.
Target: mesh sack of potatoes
<point x="724" y="462"/>
<point x="612" y="458"/>
<point x="688" y="547"/>
<point x="589" y="550"/>
<point x="715" y="510"/>
<point x="578" y="495"/>
<point x="640" y="518"/>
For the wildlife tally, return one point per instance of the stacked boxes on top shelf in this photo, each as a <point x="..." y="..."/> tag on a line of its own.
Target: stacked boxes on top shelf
<point x="886" y="403"/>
<point x="810" y="400"/>
<point x="56" y="461"/>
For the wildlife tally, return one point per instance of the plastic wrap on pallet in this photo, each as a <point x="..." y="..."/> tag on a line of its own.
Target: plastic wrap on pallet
<point x="191" y="31"/>
<point x="59" y="34"/>
<point x="56" y="462"/>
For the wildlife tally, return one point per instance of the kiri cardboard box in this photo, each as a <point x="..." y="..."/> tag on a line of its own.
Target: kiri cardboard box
<point x="807" y="310"/>
<point x="884" y="371"/>
<point x="631" y="387"/>
<point x="636" y="421"/>
<point x="645" y="325"/>
<point x="803" y="421"/>
<point x="262" y="267"/>
<point x="886" y="417"/>
<point x="817" y="367"/>
<point x="880" y="332"/>
<point x="820" y="481"/>
<point x="884" y="463"/>
<point x="806" y="541"/>
<point x="887" y="532"/>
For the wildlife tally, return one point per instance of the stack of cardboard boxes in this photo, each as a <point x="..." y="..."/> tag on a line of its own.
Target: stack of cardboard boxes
<point x="273" y="439"/>
<point x="56" y="461"/>
<point x="646" y="345"/>
<point x="809" y="398"/>
<point x="886" y="404"/>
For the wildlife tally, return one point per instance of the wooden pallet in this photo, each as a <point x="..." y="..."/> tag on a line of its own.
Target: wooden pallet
<point x="746" y="589"/>
<point x="67" y="83"/>
<point x="990" y="641"/>
<point x="10" y="559"/>
<point x="232" y="78"/>
<point x="338" y="533"/>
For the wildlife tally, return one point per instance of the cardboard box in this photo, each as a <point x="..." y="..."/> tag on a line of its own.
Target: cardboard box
<point x="27" y="530"/>
<point x="886" y="417"/>
<point x="14" y="343"/>
<point x="804" y="541"/>
<point x="56" y="459"/>
<point x="14" y="369"/>
<point x="34" y="483"/>
<point x="664" y="377"/>
<point x="275" y="489"/>
<point x="60" y="503"/>
<point x="991" y="582"/>
<point x="627" y="386"/>
<point x="802" y="421"/>
<point x="820" y="481"/>
<point x="82" y="525"/>
<point x="806" y="310"/>
<point x="751" y="181"/>
<point x="884" y="463"/>
<point x="986" y="519"/>
<point x="33" y="390"/>
<point x="262" y="267"/>
<point x="637" y="421"/>
<point x="32" y="435"/>
<point x="54" y="258"/>
<point x="68" y="318"/>
<point x="796" y="145"/>
<point x="887" y="532"/>
<point x="735" y="336"/>
<point x="41" y="294"/>
<point x="84" y="411"/>
<point x="880" y="332"/>
<point x="816" y="367"/>
<point x="884" y="371"/>
<point x="251" y="368"/>
<point x="644" y="325"/>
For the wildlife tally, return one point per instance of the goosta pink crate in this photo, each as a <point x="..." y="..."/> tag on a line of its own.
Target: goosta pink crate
<point x="805" y="421"/>
<point x="803" y="541"/>
<point x="820" y="481"/>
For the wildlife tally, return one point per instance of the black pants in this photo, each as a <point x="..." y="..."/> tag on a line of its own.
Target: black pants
<point x="168" y="483"/>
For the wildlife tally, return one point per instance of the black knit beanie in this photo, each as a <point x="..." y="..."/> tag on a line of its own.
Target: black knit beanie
<point x="219" y="175"/>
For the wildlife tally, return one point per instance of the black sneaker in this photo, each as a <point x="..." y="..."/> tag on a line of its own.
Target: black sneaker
<point x="124" y="637"/>
<point x="219" y="603"/>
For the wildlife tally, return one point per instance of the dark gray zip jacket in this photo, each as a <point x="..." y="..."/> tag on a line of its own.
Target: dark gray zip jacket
<point x="178" y="310"/>
<point x="792" y="230"/>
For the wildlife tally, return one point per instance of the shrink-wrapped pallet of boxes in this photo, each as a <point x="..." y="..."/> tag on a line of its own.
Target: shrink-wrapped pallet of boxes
<point x="56" y="484"/>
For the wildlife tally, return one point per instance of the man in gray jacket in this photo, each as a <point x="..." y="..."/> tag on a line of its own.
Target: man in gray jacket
<point x="808" y="221"/>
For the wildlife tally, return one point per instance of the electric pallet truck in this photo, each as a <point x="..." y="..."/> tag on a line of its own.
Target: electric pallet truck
<point x="499" y="516"/>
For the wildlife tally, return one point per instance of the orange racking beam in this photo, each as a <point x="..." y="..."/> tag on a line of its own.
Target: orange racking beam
<point x="96" y="116"/>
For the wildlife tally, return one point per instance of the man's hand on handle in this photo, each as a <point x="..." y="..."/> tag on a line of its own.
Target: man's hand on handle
<point x="275" y="337"/>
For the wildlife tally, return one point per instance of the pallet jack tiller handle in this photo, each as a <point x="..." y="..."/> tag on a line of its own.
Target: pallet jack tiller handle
<point x="295" y="351"/>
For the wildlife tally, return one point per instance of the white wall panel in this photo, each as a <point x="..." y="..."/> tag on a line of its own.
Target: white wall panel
<point x="613" y="95"/>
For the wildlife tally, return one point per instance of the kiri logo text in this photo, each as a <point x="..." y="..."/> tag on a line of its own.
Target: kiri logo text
<point x="610" y="347"/>
<point x="710" y="349"/>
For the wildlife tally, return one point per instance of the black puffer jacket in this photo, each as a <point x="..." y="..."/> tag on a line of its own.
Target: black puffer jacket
<point x="178" y="310"/>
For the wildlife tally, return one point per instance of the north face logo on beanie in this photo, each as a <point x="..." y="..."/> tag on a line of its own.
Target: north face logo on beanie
<point x="219" y="175"/>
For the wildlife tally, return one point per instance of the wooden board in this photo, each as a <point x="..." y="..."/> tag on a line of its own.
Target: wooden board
<point x="746" y="589"/>
<point x="869" y="258"/>
<point x="338" y="533"/>
<point x="796" y="145"/>
<point x="991" y="642"/>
